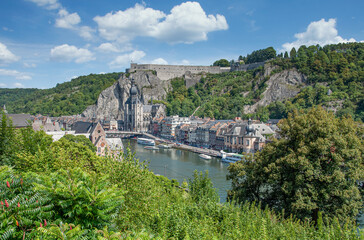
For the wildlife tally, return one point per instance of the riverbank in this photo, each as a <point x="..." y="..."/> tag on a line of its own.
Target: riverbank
<point x="209" y="152"/>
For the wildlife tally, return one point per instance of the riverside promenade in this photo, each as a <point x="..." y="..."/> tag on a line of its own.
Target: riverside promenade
<point x="209" y="152"/>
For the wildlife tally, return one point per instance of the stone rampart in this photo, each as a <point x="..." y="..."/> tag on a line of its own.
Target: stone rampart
<point x="165" y="72"/>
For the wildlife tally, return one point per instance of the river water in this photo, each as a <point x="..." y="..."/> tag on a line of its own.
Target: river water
<point x="180" y="165"/>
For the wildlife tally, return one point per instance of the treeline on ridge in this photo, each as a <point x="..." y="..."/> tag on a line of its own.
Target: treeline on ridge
<point x="335" y="76"/>
<point x="67" y="98"/>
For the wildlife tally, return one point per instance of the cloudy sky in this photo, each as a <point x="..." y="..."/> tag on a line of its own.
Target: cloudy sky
<point x="45" y="42"/>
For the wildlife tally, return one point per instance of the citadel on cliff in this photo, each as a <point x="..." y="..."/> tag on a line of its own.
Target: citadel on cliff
<point x="130" y="100"/>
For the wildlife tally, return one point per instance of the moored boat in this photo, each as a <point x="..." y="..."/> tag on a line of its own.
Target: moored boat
<point x="151" y="147"/>
<point x="164" y="146"/>
<point x="146" y="141"/>
<point x="231" y="157"/>
<point x="204" y="156"/>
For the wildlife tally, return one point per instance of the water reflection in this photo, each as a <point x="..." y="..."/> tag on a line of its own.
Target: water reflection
<point x="180" y="165"/>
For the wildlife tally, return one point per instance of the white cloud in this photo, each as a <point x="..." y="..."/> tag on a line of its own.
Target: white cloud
<point x="30" y="65"/>
<point x="15" y="74"/>
<point x="2" y="85"/>
<point x="8" y="29"/>
<point x="320" y="32"/>
<point x="125" y="25"/>
<point x="125" y="59"/>
<point x="185" y="62"/>
<point x="187" y="23"/>
<point x="108" y="47"/>
<point x="86" y="32"/>
<point x="67" y="53"/>
<point x="159" y="61"/>
<point x="49" y="4"/>
<point x="6" y="56"/>
<point x="19" y="85"/>
<point x="67" y="20"/>
<point x="70" y="21"/>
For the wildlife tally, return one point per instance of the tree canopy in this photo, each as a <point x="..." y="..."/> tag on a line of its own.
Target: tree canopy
<point x="316" y="166"/>
<point x="66" y="98"/>
<point x="222" y="63"/>
<point x="62" y="190"/>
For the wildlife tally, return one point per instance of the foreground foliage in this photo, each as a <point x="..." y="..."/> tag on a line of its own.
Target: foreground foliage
<point x="121" y="199"/>
<point x="316" y="166"/>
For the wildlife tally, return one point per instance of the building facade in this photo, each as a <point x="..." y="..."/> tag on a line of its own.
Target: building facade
<point x="137" y="116"/>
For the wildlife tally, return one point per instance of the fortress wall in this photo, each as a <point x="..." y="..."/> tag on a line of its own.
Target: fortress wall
<point x="165" y="72"/>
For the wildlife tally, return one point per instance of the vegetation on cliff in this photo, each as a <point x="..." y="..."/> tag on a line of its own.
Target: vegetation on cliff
<point x="79" y="195"/>
<point x="65" y="99"/>
<point x="335" y="79"/>
<point x="334" y="73"/>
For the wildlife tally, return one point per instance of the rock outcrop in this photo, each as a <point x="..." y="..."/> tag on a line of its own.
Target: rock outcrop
<point x="281" y="86"/>
<point x="111" y="101"/>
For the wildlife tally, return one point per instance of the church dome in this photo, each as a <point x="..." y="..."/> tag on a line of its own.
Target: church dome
<point x="133" y="90"/>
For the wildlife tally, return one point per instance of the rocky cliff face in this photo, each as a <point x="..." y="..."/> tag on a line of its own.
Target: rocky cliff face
<point x="111" y="101"/>
<point x="281" y="86"/>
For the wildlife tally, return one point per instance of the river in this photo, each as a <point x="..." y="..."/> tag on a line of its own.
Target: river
<point x="180" y="165"/>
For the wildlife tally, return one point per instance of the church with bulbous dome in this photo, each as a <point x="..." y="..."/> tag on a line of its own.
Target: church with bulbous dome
<point x="138" y="116"/>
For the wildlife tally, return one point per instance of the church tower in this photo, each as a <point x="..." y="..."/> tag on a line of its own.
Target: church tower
<point x="133" y="116"/>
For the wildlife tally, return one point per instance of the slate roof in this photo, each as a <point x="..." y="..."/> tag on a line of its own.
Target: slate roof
<point x="237" y="130"/>
<point x="147" y="108"/>
<point x="82" y="127"/>
<point x="20" y="120"/>
<point x="263" y="128"/>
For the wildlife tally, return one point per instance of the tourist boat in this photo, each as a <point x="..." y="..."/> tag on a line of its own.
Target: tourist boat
<point x="151" y="148"/>
<point x="164" y="146"/>
<point x="204" y="156"/>
<point x="231" y="157"/>
<point x="146" y="141"/>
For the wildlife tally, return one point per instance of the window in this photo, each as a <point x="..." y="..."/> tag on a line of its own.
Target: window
<point x="247" y="142"/>
<point x="99" y="149"/>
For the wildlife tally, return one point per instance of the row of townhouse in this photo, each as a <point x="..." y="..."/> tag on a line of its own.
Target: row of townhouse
<point x="231" y="135"/>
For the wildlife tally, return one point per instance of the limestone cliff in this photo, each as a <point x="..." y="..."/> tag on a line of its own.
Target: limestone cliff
<point x="280" y="86"/>
<point x="110" y="103"/>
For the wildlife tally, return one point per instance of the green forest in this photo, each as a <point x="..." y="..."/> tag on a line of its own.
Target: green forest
<point x="63" y="190"/>
<point x="337" y="68"/>
<point x="67" y="98"/>
<point x="335" y="79"/>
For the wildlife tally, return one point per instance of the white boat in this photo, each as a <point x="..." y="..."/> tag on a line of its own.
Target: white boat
<point x="151" y="147"/>
<point x="146" y="141"/>
<point x="204" y="156"/>
<point x="230" y="157"/>
<point x="164" y="146"/>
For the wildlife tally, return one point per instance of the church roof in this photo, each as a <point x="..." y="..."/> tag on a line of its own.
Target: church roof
<point x="133" y="90"/>
<point x="20" y="120"/>
<point x="147" y="108"/>
<point x="82" y="127"/>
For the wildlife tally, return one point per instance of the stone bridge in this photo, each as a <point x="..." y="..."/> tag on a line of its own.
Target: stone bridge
<point x="122" y="134"/>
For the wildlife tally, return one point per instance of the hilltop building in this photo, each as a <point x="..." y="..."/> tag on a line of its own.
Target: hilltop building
<point x="165" y="72"/>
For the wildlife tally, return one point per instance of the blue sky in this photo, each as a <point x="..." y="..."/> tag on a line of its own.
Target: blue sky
<point x="45" y="42"/>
